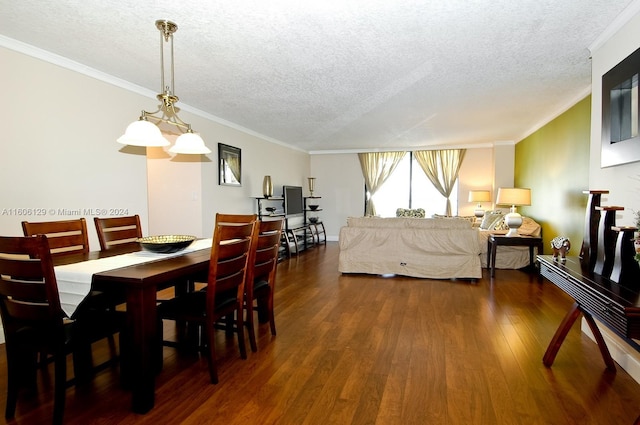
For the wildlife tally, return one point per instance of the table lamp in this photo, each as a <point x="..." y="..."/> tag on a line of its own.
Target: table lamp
<point x="515" y="197"/>
<point x="479" y="196"/>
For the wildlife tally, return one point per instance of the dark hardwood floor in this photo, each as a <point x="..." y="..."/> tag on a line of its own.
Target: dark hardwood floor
<point x="376" y="350"/>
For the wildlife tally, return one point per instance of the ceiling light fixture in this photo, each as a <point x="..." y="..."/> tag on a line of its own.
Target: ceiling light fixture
<point x="144" y="132"/>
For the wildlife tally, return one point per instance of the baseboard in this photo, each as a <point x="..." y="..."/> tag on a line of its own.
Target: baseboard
<point x="626" y="355"/>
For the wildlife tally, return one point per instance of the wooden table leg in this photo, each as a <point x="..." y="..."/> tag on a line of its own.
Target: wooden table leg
<point x="563" y="330"/>
<point x="142" y="335"/>
<point x="492" y="266"/>
<point x="561" y="334"/>
<point x="602" y="345"/>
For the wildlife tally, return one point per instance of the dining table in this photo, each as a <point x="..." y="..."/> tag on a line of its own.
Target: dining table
<point x="137" y="276"/>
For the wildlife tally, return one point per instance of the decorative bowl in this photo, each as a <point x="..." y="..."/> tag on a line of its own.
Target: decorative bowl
<point x="313" y="207"/>
<point x="313" y="219"/>
<point x="166" y="244"/>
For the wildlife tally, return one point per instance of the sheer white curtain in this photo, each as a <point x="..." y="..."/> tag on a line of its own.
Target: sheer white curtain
<point x="442" y="168"/>
<point x="376" y="168"/>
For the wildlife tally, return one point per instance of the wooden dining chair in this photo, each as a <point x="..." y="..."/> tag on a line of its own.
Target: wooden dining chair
<point x="260" y="283"/>
<point x="33" y="319"/>
<point x="116" y="231"/>
<point x="67" y="237"/>
<point x="224" y="293"/>
<point x="235" y="218"/>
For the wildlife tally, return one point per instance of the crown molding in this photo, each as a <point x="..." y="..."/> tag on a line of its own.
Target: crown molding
<point x="71" y="65"/>
<point x="621" y="20"/>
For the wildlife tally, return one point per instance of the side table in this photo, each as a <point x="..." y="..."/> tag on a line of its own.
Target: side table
<point x="494" y="240"/>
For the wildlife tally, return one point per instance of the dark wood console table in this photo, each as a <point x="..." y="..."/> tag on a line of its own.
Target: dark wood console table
<point x="616" y="305"/>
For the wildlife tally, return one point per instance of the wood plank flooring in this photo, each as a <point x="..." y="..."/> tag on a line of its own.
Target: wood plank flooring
<point x="358" y="349"/>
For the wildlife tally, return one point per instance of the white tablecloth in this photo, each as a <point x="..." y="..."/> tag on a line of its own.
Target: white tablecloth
<point x="74" y="280"/>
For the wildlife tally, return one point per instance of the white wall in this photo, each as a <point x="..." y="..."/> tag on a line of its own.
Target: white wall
<point x="476" y="173"/>
<point x="58" y="150"/>
<point x="622" y="181"/>
<point x="184" y="194"/>
<point x="340" y="183"/>
<point x="63" y="126"/>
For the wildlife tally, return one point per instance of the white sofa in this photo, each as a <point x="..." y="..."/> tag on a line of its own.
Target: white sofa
<point x="426" y="248"/>
<point x="440" y="248"/>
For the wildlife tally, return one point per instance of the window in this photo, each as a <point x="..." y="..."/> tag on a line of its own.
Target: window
<point x="409" y="187"/>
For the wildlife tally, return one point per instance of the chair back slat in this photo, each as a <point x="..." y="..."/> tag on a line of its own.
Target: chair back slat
<point x="114" y="231"/>
<point x="64" y="237"/>
<point x="236" y="218"/>
<point x="265" y="255"/>
<point x="230" y="282"/>
<point x="28" y="288"/>
<point x="230" y="251"/>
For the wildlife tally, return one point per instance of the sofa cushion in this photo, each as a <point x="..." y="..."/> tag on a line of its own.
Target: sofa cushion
<point x="470" y="218"/>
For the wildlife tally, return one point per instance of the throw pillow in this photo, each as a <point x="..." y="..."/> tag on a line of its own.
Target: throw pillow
<point x="405" y="212"/>
<point x="490" y="220"/>
<point x="501" y="225"/>
<point x="469" y="218"/>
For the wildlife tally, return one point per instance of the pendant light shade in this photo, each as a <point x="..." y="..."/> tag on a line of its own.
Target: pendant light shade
<point x="143" y="133"/>
<point x="189" y="143"/>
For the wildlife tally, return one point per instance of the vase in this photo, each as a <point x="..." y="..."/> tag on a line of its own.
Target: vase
<point x="312" y="184"/>
<point x="267" y="187"/>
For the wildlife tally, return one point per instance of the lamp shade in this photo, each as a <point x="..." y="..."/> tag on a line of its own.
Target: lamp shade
<point x="190" y="143"/>
<point x="513" y="196"/>
<point x="143" y="133"/>
<point x="479" y="196"/>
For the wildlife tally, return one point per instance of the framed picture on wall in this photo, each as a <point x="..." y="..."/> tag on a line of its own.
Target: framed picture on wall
<point x="620" y="117"/>
<point x="229" y="165"/>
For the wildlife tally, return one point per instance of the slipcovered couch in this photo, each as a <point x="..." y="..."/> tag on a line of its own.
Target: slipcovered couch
<point x="436" y="248"/>
<point x="417" y="247"/>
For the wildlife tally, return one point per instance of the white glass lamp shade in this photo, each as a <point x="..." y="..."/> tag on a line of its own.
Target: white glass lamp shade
<point x="143" y="133"/>
<point x="190" y="143"/>
<point x="515" y="197"/>
<point x="479" y="196"/>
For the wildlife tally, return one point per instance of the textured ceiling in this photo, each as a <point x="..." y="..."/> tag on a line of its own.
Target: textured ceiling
<point x="341" y="74"/>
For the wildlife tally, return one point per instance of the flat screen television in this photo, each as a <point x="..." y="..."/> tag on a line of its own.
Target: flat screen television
<point x="293" y="201"/>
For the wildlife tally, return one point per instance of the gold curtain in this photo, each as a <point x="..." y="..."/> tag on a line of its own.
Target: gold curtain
<point x="376" y="168"/>
<point x="442" y="168"/>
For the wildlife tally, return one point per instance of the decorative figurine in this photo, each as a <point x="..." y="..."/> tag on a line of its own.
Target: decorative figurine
<point x="561" y="245"/>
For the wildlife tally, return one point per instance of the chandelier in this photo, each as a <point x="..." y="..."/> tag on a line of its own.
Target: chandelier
<point x="145" y="131"/>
